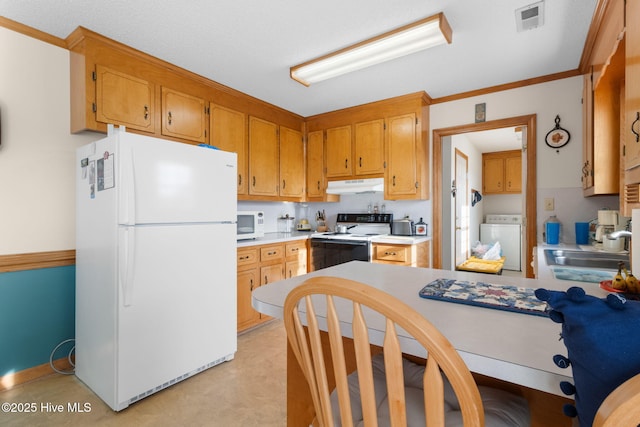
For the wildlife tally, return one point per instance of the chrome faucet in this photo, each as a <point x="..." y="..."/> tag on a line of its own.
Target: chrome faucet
<point x="618" y="234"/>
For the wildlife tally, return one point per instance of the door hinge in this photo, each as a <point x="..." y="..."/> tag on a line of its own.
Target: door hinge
<point x="94" y="76"/>
<point x="94" y="107"/>
<point x="416" y="121"/>
<point x="206" y="110"/>
<point x="416" y="184"/>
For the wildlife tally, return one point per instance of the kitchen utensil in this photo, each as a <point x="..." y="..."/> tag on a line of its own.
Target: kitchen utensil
<point x="343" y="229"/>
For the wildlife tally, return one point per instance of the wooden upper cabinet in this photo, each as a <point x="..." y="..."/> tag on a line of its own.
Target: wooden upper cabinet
<point x="123" y="99"/>
<point x="632" y="87"/>
<point x="228" y="132"/>
<point x="502" y="172"/>
<point x="630" y="127"/>
<point x="183" y="116"/>
<point x="338" y="152"/>
<point x="493" y="175"/>
<point x="264" y="158"/>
<point x="315" y="165"/>
<point x="369" y="148"/>
<point x="513" y="173"/>
<point x="292" y="180"/>
<point x="401" y="174"/>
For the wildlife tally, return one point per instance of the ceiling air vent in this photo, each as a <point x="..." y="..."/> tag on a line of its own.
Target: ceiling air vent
<point x="530" y="17"/>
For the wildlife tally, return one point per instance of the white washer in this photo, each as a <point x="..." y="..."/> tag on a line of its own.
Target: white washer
<point x="506" y="229"/>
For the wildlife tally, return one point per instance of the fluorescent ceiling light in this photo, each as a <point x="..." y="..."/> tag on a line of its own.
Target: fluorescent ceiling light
<point x="420" y="35"/>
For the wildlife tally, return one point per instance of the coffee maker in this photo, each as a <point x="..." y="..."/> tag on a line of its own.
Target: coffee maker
<point x="608" y="221"/>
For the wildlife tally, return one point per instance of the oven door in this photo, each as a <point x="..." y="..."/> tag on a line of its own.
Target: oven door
<point x="329" y="252"/>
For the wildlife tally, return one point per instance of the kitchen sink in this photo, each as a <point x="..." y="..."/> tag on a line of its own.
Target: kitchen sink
<point x="588" y="259"/>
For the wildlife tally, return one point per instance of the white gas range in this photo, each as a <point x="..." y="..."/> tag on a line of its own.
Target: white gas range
<point x="332" y="248"/>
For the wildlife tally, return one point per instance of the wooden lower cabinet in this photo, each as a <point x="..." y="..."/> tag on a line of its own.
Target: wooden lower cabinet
<point x="260" y="265"/>
<point x="296" y="258"/>
<point x="416" y="255"/>
<point x="248" y="280"/>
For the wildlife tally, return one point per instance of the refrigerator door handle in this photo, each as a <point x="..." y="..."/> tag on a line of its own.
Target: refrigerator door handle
<point x="127" y="252"/>
<point x="128" y="189"/>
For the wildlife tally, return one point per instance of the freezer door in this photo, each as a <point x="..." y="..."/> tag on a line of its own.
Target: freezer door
<point x="169" y="182"/>
<point x="180" y="313"/>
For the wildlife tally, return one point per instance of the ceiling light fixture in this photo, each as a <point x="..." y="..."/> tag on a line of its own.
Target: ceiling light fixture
<point x="411" y="38"/>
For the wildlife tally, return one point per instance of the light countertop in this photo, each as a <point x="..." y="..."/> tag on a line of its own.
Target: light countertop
<point x="303" y="235"/>
<point x="274" y="238"/>
<point x="510" y="346"/>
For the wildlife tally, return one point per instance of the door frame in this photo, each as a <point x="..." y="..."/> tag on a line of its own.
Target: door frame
<point x="530" y="192"/>
<point x="464" y="193"/>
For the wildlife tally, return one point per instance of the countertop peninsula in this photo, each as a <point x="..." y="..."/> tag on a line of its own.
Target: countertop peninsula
<point x="513" y="347"/>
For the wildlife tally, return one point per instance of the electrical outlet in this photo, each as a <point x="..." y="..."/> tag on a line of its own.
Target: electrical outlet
<point x="548" y="204"/>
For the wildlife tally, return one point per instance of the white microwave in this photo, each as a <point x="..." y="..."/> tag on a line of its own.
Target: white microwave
<point x="250" y="224"/>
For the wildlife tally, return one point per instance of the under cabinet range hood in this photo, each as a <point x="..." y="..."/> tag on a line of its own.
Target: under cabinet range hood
<point x="356" y="186"/>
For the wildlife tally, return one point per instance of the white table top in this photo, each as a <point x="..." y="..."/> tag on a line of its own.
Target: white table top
<point x="513" y="347"/>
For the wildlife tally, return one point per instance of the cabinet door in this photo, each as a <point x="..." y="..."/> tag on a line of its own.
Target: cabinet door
<point x="295" y="268"/>
<point x="292" y="178"/>
<point x="247" y="281"/>
<point x="513" y="174"/>
<point x="315" y="165"/>
<point x="270" y="274"/>
<point x="228" y="132"/>
<point x="124" y="100"/>
<point x="263" y="157"/>
<point x="369" y="147"/>
<point x="183" y="116"/>
<point x="493" y="175"/>
<point x="401" y="175"/>
<point x="338" y="152"/>
<point x="587" y="130"/>
<point x="632" y="87"/>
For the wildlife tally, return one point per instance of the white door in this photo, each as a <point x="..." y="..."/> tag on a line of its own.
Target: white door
<point x="462" y="210"/>
<point x="180" y="312"/>
<point x="168" y="182"/>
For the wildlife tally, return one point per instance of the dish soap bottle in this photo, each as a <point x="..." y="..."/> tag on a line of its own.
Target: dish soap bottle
<point x="421" y="228"/>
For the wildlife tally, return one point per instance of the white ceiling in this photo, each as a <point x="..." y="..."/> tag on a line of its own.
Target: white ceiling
<point x="249" y="45"/>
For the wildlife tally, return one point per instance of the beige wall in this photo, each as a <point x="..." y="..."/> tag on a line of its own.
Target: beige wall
<point x="37" y="155"/>
<point x="546" y="100"/>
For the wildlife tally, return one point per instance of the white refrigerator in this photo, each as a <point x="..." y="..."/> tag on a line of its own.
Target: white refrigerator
<point x="155" y="264"/>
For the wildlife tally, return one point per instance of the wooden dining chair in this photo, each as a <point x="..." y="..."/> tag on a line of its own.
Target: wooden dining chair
<point x="317" y="305"/>
<point x="621" y="408"/>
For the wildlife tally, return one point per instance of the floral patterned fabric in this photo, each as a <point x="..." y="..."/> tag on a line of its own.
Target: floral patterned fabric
<point x="501" y="297"/>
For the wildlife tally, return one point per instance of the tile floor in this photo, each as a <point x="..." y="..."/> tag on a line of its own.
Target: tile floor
<point x="247" y="391"/>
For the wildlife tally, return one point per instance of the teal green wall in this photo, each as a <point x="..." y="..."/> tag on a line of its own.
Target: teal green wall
<point x="37" y="312"/>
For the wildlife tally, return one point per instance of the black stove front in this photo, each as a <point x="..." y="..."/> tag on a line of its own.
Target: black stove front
<point x="329" y="252"/>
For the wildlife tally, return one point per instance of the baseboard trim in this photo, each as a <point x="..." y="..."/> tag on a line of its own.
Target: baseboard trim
<point x="9" y="381"/>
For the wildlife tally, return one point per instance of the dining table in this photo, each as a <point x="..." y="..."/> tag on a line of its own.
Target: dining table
<point x="504" y="348"/>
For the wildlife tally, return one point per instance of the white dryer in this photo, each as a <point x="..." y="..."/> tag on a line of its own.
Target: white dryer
<point x="506" y="229"/>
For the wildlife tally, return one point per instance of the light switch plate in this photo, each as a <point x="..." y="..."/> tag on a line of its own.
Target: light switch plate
<point x="548" y="204"/>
